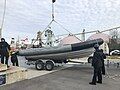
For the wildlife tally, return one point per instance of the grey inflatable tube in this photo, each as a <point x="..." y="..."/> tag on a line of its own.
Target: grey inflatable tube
<point x="60" y="49"/>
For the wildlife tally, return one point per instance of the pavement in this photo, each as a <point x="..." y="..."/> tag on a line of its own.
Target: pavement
<point x="66" y="77"/>
<point x="32" y="72"/>
<point x="76" y="77"/>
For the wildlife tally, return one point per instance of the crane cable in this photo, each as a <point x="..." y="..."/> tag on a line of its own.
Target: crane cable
<point x="49" y="23"/>
<point x="53" y="20"/>
<point x="3" y="18"/>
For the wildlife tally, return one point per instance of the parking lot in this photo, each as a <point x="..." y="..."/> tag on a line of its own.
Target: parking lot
<point x="73" y="77"/>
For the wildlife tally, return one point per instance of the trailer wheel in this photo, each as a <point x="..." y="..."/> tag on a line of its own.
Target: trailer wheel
<point x="39" y="65"/>
<point x="49" y="65"/>
<point x="90" y="59"/>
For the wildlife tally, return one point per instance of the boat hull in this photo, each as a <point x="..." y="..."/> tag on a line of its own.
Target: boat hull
<point x="62" y="56"/>
<point x="77" y="50"/>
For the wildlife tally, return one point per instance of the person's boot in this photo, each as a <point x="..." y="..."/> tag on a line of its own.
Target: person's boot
<point x="103" y="73"/>
<point x="99" y="82"/>
<point x="8" y="66"/>
<point x="91" y="83"/>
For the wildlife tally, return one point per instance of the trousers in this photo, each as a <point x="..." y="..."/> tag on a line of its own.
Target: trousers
<point x="97" y="75"/>
<point x="6" y="59"/>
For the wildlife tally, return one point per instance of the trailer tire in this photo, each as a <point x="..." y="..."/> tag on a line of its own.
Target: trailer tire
<point x="39" y="65"/>
<point x="49" y="65"/>
<point x="90" y="59"/>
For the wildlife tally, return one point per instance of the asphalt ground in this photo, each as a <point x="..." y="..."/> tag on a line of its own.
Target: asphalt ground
<point x="76" y="77"/>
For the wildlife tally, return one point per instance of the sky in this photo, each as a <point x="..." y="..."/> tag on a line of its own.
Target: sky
<point x="24" y="18"/>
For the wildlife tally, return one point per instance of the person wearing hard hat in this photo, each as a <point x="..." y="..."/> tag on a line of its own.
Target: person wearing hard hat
<point x="97" y="65"/>
<point x="4" y="51"/>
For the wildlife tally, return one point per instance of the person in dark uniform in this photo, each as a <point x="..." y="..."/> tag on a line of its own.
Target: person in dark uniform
<point x="4" y="51"/>
<point x="103" y="57"/>
<point x="97" y="65"/>
<point x="14" y="59"/>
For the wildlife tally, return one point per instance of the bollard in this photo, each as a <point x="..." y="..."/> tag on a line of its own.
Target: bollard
<point x="118" y="64"/>
<point x="108" y="63"/>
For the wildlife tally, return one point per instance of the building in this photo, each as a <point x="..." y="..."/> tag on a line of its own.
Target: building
<point x="70" y="39"/>
<point x="106" y="39"/>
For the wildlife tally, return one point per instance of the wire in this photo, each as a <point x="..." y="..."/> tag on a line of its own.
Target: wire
<point x="53" y="11"/>
<point x="110" y="29"/>
<point x="63" y="27"/>
<point x="116" y="28"/>
<point x="43" y="30"/>
<point x="55" y="22"/>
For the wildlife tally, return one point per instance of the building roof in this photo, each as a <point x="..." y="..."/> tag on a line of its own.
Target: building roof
<point x="70" y="40"/>
<point x="103" y="36"/>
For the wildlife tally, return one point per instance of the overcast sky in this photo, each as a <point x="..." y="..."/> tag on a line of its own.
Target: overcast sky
<point x="25" y="17"/>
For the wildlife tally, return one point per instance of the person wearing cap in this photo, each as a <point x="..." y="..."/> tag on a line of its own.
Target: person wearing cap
<point x="4" y="51"/>
<point x="97" y="65"/>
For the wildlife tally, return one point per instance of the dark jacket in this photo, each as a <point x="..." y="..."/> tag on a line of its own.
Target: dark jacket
<point x="103" y="55"/>
<point x="4" y="48"/>
<point x="97" y="59"/>
<point x="14" y="58"/>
